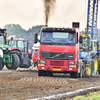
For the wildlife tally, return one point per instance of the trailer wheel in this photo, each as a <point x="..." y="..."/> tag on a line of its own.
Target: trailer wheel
<point x="15" y="62"/>
<point x="74" y="75"/>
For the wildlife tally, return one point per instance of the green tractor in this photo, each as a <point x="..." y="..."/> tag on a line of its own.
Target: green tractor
<point x="10" y="59"/>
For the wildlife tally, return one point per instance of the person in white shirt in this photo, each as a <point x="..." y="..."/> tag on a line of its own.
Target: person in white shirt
<point x="1" y="56"/>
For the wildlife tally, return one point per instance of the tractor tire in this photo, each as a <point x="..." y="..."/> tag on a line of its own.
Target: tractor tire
<point x="95" y="65"/>
<point x="81" y="73"/>
<point x="99" y="66"/>
<point x="29" y="62"/>
<point x="3" y="66"/>
<point x="15" y="64"/>
<point x="27" y="66"/>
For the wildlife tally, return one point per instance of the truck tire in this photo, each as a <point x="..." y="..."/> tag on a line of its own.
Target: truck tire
<point x="15" y="62"/>
<point x="40" y="73"/>
<point x="50" y="74"/>
<point x="74" y="75"/>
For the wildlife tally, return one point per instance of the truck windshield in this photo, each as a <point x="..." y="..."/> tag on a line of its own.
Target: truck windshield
<point x="84" y="46"/>
<point x="1" y="40"/>
<point x="61" y="38"/>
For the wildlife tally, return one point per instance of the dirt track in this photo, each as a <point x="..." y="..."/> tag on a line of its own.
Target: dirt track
<point x="15" y="85"/>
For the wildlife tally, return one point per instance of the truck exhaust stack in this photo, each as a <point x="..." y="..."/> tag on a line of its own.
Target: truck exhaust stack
<point x="75" y="24"/>
<point x="46" y="25"/>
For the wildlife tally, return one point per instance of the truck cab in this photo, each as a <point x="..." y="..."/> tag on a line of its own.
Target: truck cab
<point x="58" y="51"/>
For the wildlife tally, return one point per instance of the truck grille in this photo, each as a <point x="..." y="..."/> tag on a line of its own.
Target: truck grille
<point x="57" y="55"/>
<point x="56" y="63"/>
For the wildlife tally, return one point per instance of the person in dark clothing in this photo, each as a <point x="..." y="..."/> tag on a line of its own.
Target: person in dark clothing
<point x="1" y="56"/>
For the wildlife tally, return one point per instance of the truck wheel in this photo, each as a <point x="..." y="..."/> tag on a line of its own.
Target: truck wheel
<point x="40" y="73"/>
<point x="50" y="74"/>
<point x="15" y="62"/>
<point x="74" y="75"/>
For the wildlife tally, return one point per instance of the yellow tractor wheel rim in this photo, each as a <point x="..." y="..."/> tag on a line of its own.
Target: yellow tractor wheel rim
<point x="9" y="65"/>
<point x="96" y="64"/>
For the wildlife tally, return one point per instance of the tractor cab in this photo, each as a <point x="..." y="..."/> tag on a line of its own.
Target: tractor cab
<point x="20" y="47"/>
<point x="84" y="46"/>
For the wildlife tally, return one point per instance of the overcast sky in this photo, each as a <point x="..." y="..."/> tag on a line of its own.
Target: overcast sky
<point x="31" y="12"/>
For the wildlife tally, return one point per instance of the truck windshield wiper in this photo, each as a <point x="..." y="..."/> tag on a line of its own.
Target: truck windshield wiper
<point x="51" y="41"/>
<point x="64" y="41"/>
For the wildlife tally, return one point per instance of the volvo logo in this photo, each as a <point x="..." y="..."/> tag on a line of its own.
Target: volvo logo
<point x="70" y="56"/>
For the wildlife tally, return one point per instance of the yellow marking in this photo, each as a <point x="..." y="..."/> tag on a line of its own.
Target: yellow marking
<point x="56" y="69"/>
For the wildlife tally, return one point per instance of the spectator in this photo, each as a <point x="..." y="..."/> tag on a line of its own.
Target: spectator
<point x="35" y="59"/>
<point x="1" y="56"/>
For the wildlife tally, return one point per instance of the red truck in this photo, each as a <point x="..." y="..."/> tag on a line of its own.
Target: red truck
<point x="59" y="51"/>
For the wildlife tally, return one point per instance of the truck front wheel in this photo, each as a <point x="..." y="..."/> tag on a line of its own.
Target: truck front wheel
<point x="74" y="75"/>
<point x="15" y="63"/>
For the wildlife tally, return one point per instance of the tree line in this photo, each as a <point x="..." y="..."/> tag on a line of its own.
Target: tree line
<point x="17" y="30"/>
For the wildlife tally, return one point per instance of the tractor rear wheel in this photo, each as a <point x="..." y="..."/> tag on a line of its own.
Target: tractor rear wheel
<point x="95" y="65"/>
<point x="15" y="62"/>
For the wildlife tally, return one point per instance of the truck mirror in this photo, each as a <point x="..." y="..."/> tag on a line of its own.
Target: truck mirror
<point x="81" y="39"/>
<point x="35" y="38"/>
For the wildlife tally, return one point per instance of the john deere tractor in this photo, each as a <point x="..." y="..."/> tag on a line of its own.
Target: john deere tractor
<point x="19" y="46"/>
<point x="10" y="59"/>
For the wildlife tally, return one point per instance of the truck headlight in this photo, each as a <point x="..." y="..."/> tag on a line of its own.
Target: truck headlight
<point x="42" y="61"/>
<point x="71" y="62"/>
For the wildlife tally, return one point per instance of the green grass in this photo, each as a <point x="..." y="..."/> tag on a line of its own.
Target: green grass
<point x="90" y="96"/>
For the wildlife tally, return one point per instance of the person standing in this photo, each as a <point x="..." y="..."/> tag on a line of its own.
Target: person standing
<point x="35" y="59"/>
<point x="1" y="56"/>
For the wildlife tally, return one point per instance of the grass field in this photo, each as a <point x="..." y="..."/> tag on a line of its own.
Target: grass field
<point x="90" y="96"/>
